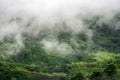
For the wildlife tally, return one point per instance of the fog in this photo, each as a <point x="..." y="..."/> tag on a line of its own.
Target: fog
<point x="33" y="16"/>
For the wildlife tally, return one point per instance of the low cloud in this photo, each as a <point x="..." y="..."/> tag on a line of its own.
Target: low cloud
<point x="37" y="16"/>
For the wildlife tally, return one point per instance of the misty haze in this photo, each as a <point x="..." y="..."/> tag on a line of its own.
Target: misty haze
<point x="59" y="39"/>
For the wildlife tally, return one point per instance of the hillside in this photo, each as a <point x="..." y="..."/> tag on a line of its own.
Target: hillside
<point x="94" y="59"/>
<point x="59" y="39"/>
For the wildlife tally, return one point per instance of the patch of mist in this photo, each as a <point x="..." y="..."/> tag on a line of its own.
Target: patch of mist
<point x="52" y="17"/>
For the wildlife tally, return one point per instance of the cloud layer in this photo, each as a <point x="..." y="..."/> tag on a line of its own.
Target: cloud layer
<point x="51" y="16"/>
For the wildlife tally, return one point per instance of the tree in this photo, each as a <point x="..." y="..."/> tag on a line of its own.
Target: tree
<point x="78" y="76"/>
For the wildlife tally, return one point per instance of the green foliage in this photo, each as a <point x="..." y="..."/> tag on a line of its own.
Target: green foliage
<point x="96" y="75"/>
<point x="12" y="71"/>
<point x="98" y="59"/>
<point x="78" y="76"/>
<point x="102" y="65"/>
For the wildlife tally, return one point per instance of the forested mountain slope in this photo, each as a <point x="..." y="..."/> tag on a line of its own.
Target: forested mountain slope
<point x="91" y="58"/>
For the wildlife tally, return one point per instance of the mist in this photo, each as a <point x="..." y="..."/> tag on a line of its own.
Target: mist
<point x="35" y="17"/>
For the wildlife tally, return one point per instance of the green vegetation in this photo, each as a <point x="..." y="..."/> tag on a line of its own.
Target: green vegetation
<point x="98" y="59"/>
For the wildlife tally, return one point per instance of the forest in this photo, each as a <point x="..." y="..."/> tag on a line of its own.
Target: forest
<point x="59" y="39"/>
<point x="96" y="58"/>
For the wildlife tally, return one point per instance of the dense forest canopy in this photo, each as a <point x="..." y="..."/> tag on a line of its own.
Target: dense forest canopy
<point x="60" y="40"/>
